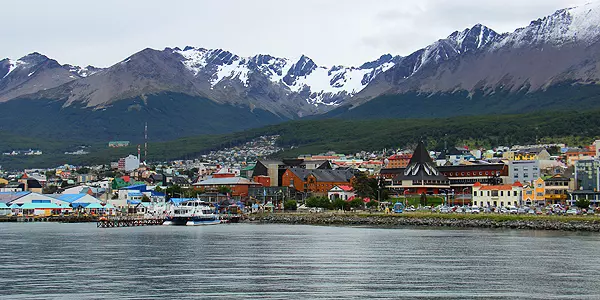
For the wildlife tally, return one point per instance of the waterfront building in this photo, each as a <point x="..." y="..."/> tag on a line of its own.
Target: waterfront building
<point x="556" y="189"/>
<point x="587" y="181"/>
<point x="239" y="186"/>
<point x="421" y="176"/>
<point x="497" y="195"/>
<point x="27" y="197"/>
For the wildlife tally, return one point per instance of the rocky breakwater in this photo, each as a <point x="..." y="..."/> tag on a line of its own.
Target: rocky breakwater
<point x="461" y="221"/>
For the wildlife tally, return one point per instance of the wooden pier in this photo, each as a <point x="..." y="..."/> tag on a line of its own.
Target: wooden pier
<point x="128" y="222"/>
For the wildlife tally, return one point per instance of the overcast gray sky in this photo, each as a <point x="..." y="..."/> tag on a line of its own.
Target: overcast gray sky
<point x="331" y="32"/>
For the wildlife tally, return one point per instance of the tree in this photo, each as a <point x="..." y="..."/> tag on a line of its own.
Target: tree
<point x="364" y="186"/>
<point x="423" y="199"/>
<point x="356" y="203"/>
<point x="145" y="199"/>
<point x="290" y="205"/>
<point x="83" y="170"/>
<point x="224" y="190"/>
<point x="338" y="203"/>
<point x="372" y="204"/>
<point x="582" y="203"/>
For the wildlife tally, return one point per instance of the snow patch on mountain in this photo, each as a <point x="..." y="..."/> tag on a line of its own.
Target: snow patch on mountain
<point x="237" y="69"/>
<point x="14" y="64"/>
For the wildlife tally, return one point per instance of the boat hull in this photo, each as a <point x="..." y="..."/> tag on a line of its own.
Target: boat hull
<point x="190" y="221"/>
<point x="202" y="222"/>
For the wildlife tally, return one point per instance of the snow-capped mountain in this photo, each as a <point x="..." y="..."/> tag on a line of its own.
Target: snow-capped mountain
<point x="36" y="72"/>
<point x="560" y="48"/>
<point x="321" y="85"/>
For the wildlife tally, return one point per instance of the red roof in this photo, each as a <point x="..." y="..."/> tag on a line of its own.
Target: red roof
<point x="346" y="188"/>
<point x="504" y="187"/>
<point x="477" y="184"/>
<point x="518" y="184"/>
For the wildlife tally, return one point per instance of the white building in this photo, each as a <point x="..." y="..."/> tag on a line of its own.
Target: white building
<point x="343" y="192"/>
<point x="129" y="163"/>
<point x="497" y="195"/>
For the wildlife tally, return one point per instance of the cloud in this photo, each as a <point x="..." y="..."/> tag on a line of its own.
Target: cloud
<point x="331" y="32"/>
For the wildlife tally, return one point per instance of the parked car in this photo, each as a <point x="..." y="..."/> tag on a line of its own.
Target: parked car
<point x="513" y="210"/>
<point x="445" y="210"/>
<point x="573" y="211"/>
<point x="410" y="209"/>
<point x="475" y="210"/>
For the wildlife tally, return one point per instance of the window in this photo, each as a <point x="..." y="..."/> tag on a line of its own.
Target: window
<point x="481" y="193"/>
<point x="480" y="173"/>
<point x="494" y="193"/>
<point x="501" y="194"/>
<point x="515" y="193"/>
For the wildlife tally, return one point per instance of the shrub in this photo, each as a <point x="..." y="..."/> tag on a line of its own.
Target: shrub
<point x="290" y="205"/>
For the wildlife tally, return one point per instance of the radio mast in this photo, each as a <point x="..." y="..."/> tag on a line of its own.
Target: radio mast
<point x="145" y="142"/>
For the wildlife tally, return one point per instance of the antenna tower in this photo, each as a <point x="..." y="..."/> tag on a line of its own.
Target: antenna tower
<point x="145" y="142"/>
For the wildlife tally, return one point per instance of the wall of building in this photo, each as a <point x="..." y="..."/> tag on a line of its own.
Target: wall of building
<point x="523" y="171"/>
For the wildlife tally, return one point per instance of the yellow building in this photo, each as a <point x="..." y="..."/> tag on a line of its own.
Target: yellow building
<point x="3" y="181"/>
<point x="533" y="194"/>
<point x="547" y="190"/>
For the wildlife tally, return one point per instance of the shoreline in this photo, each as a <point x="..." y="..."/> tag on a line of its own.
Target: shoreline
<point x="554" y="223"/>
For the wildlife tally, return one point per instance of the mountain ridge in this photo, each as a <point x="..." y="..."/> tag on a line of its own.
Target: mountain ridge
<point x="558" y="53"/>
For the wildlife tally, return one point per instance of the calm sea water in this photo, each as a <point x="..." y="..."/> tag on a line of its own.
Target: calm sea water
<point x="245" y="261"/>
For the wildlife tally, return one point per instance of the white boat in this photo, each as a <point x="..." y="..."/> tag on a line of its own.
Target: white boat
<point x="192" y="213"/>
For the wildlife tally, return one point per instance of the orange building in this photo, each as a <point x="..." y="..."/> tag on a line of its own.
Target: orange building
<point x="316" y="181"/>
<point x="399" y="161"/>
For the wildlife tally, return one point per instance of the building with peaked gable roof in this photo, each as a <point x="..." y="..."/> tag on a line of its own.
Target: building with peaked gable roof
<point x="421" y="176"/>
<point x="498" y="195"/>
<point x="344" y="192"/>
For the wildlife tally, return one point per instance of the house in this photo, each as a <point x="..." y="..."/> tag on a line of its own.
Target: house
<point x="343" y="192"/>
<point x="575" y="154"/>
<point x="498" y="195"/>
<point x="318" y="181"/>
<point x="421" y="176"/>
<point x="276" y="168"/>
<point x="556" y="189"/>
<point x="30" y="184"/>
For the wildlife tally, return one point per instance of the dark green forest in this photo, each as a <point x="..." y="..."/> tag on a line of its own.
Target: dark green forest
<point x="340" y="135"/>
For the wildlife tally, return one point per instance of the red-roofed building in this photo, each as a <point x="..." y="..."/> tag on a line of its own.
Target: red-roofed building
<point x="498" y="195"/>
<point x="344" y="192"/>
